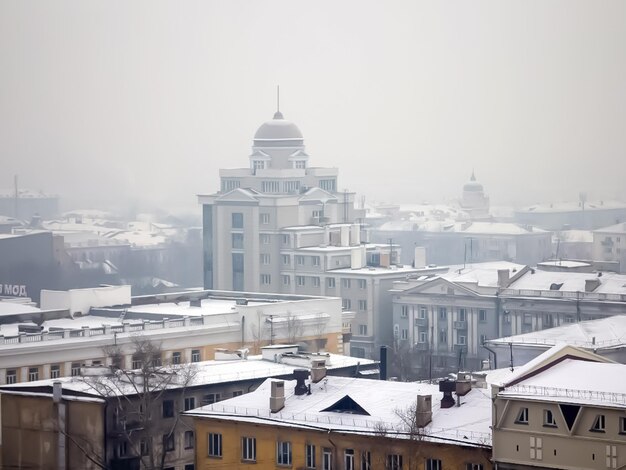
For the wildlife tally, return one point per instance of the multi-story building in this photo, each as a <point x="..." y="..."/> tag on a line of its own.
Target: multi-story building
<point x="346" y="423"/>
<point x="281" y="225"/>
<point x="564" y="410"/>
<point x="75" y="327"/>
<point x="587" y="215"/>
<point x="474" y="200"/>
<point x="445" y="319"/>
<point x="609" y="244"/>
<point x="106" y="421"/>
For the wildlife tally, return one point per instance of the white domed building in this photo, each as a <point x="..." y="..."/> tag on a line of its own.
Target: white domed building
<point x="474" y="200"/>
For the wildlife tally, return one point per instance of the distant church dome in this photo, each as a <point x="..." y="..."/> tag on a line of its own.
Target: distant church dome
<point x="472" y="185"/>
<point x="278" y="132"/>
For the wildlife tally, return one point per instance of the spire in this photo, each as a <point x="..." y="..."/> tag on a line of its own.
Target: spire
<point x="278" y="114"/>
<point x="473" y="178"/>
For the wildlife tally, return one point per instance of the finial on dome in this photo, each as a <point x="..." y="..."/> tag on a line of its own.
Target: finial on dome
<point x="278" y="114"/>
<point x="473" y="178"/>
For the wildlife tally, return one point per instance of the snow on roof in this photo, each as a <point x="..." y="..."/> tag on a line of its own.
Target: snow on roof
<point x="610" y="283"/>
<point x="617" y="229"/>
<point x="500" y="228"/>
<point x="573" y="206"/>
<point x="593" y="334"/>
<point x="376" y="270"/>
<point x="382" y="400"/>
<point x="207" y="307"/>
<point x="575" y="381"/>
<point x="482" y="274"/>
<point x="564" y="263"/>
<point x="15" y="308"/>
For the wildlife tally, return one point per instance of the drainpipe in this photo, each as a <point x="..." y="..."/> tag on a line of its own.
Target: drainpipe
<point x="57" y="399"/>
<point x="491" y="351"/>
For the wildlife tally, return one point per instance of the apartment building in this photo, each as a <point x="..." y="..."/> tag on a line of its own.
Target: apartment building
<point x="78" y="326"/>
<point x="346" y="423"/>
<point x="283" y="226"/>
<point x="445" y="319"/>
<point x="103" y="419"/>
<point x="564" y="410"/>
<point x="609" y="244"/>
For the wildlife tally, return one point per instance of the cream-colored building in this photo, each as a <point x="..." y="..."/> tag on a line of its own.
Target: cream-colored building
<point x="566" y="409"/>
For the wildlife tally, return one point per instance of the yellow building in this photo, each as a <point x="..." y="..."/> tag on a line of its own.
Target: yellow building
<point x="345" y="423"/>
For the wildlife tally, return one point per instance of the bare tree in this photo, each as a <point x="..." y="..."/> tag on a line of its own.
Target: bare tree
<point x="294" y="327"/>
<point x="137" y="398"/>
<point x="259" y="333"/>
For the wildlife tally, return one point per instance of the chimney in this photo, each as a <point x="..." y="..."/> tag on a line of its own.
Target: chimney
<point x="277" y="397"/>
<point x="591" y="284"/>
<point x="463" y="384"/>
<point x="300" y="375"/>
<point x="503" y="278"/>
<point x="383" y="362"/>
<point x="424" y="411"/>
<point x="57" y="391"/>
<point x="447" y="387"/>
<point x="195" y="303"/>
<point x="318" y="370"/>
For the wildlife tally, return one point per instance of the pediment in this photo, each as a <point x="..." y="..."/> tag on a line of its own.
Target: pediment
<point x="317" y="194"/>
<point x="239" y="195"/>
<point x="299" y="154"/>
<point x="440" y="286"/>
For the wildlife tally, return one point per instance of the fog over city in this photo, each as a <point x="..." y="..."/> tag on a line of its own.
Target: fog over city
<point x="127" y="103"/>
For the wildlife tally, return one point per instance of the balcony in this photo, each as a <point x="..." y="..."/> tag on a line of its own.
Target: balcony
<point x="421" y="322"/>
<point x="460" y="325"/>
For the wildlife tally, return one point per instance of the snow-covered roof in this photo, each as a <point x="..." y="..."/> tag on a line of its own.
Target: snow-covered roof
<point x="575" y="381"/>
<point x="593" y="334"/>
<point x="207" y="307"/>
<point x="572" y="282"/>
<point x="617" y="229"/>
<point x="574" y="236"/>
<point x="376" y="270"/>
<point x="383" y="402"/>
<point x="573" y="206"/>
<point x="482" y="274"/>
<point x="500" y="228"/>
<point x="15" y="308"/>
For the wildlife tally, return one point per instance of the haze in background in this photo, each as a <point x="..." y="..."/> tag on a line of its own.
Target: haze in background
<point x="135" y="101"/>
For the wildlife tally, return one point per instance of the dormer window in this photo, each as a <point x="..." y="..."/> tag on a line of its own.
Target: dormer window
<point x="258" y="164"/>
<point x="522" y="416"/>
<point x="598" y="424"/>
<point x="299" y="164"/>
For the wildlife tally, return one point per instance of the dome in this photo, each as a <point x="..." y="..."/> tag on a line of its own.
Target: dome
<point x="472" y="185"/>
<point x="278" y="131"/>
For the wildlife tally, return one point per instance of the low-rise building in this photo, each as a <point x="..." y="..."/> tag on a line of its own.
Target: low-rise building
<point x="564" y="410"/>
<point x="347" y="423"/>
<point x="609" y="244"/>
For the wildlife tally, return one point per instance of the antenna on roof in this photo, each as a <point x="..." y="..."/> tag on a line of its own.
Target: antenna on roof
<point x="278" y="114"/>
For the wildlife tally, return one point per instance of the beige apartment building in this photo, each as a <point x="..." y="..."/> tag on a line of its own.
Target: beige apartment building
<point x="566" y="409"/>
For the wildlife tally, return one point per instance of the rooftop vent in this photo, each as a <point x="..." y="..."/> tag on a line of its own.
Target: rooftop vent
<point x="300" y="375"/>
<point x="447" y="387"/>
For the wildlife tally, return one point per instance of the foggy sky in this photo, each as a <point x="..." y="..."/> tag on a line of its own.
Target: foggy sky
<point x="147" y="100"/>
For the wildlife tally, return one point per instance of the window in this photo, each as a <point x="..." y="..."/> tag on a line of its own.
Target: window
<point x="248" y="448"/>
<point x="309" y="456"/>
<point x="482" y="315"/>
<point x="195" y="355"/>
<point x="548" y="419"/>
<point x="190" y="403"/>
<point x="327" y="459"/>
<point x="433" y="464"/>
<point x="215" y="445"/>
<point x="176" y="357"/>
<point x="622" y="425"/>
<point x="237" y="220"/>
<point x="286" y="280"/>
<point x="270" y="186"/>
<point x="265" y="258"/>
<point x="136" y="363"/>
<point x="283" y="453"/>
<point x="348" y="459"/>
<point x="300" y="281"/>
<point x="33" y="374"/>
<point x="211" y="398"/>
<point x="12" y="376"/>
<point x="394" y="462"/>
<point x="237" y="393"/>
<point x="346" y="304"/>
<point x="286" y="260"/>
<point x="462" y="340"/>
<point x="462" y="314"/>
<point x="443" y="313"/>
<point x="422" y="313"/>
<point x="300" y="260"/>
<point x="122" y="449"/>
<point x="229" y="185"/>
<point x="55" y="371"/>
<point x="363" y="330"/>
<point x="423" y="337"/>
<point x="168" y="408"/>
<point x="366" y="460"/>
<point x="75" y="369"/>
<point x="522" y="416"/>
<point x="598" y="424"/>
<point x="330" y="282"/>
<point x="474" y="466"/>
<point x="266" y="279"/>
<point x="316" y="281"/>
<point x="169" y="443"/>
<point x="362" y="284"/>
<point x="404" y="311"/>
<point x="362" y="305"/>
<point x="258" y="164"/>
<point x="299" y="164"/>
<point x="189" y="441"/>
<point x="443" y="336"/>
<point x="528" y="319"/>
<point x="189" y="466"/>
<point x="285" y="239"/>
<point x="264" y="218"/>
<point x="345" y="283"/>
<point x="483" y="339"/>
<point x="327" y="185"/>
<point x="404" y="334"/>
<point x="264" y="239"/>
<point x="315" y="260"/>
<point x="144" y="447"/>
<point x="237" y="240"/>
